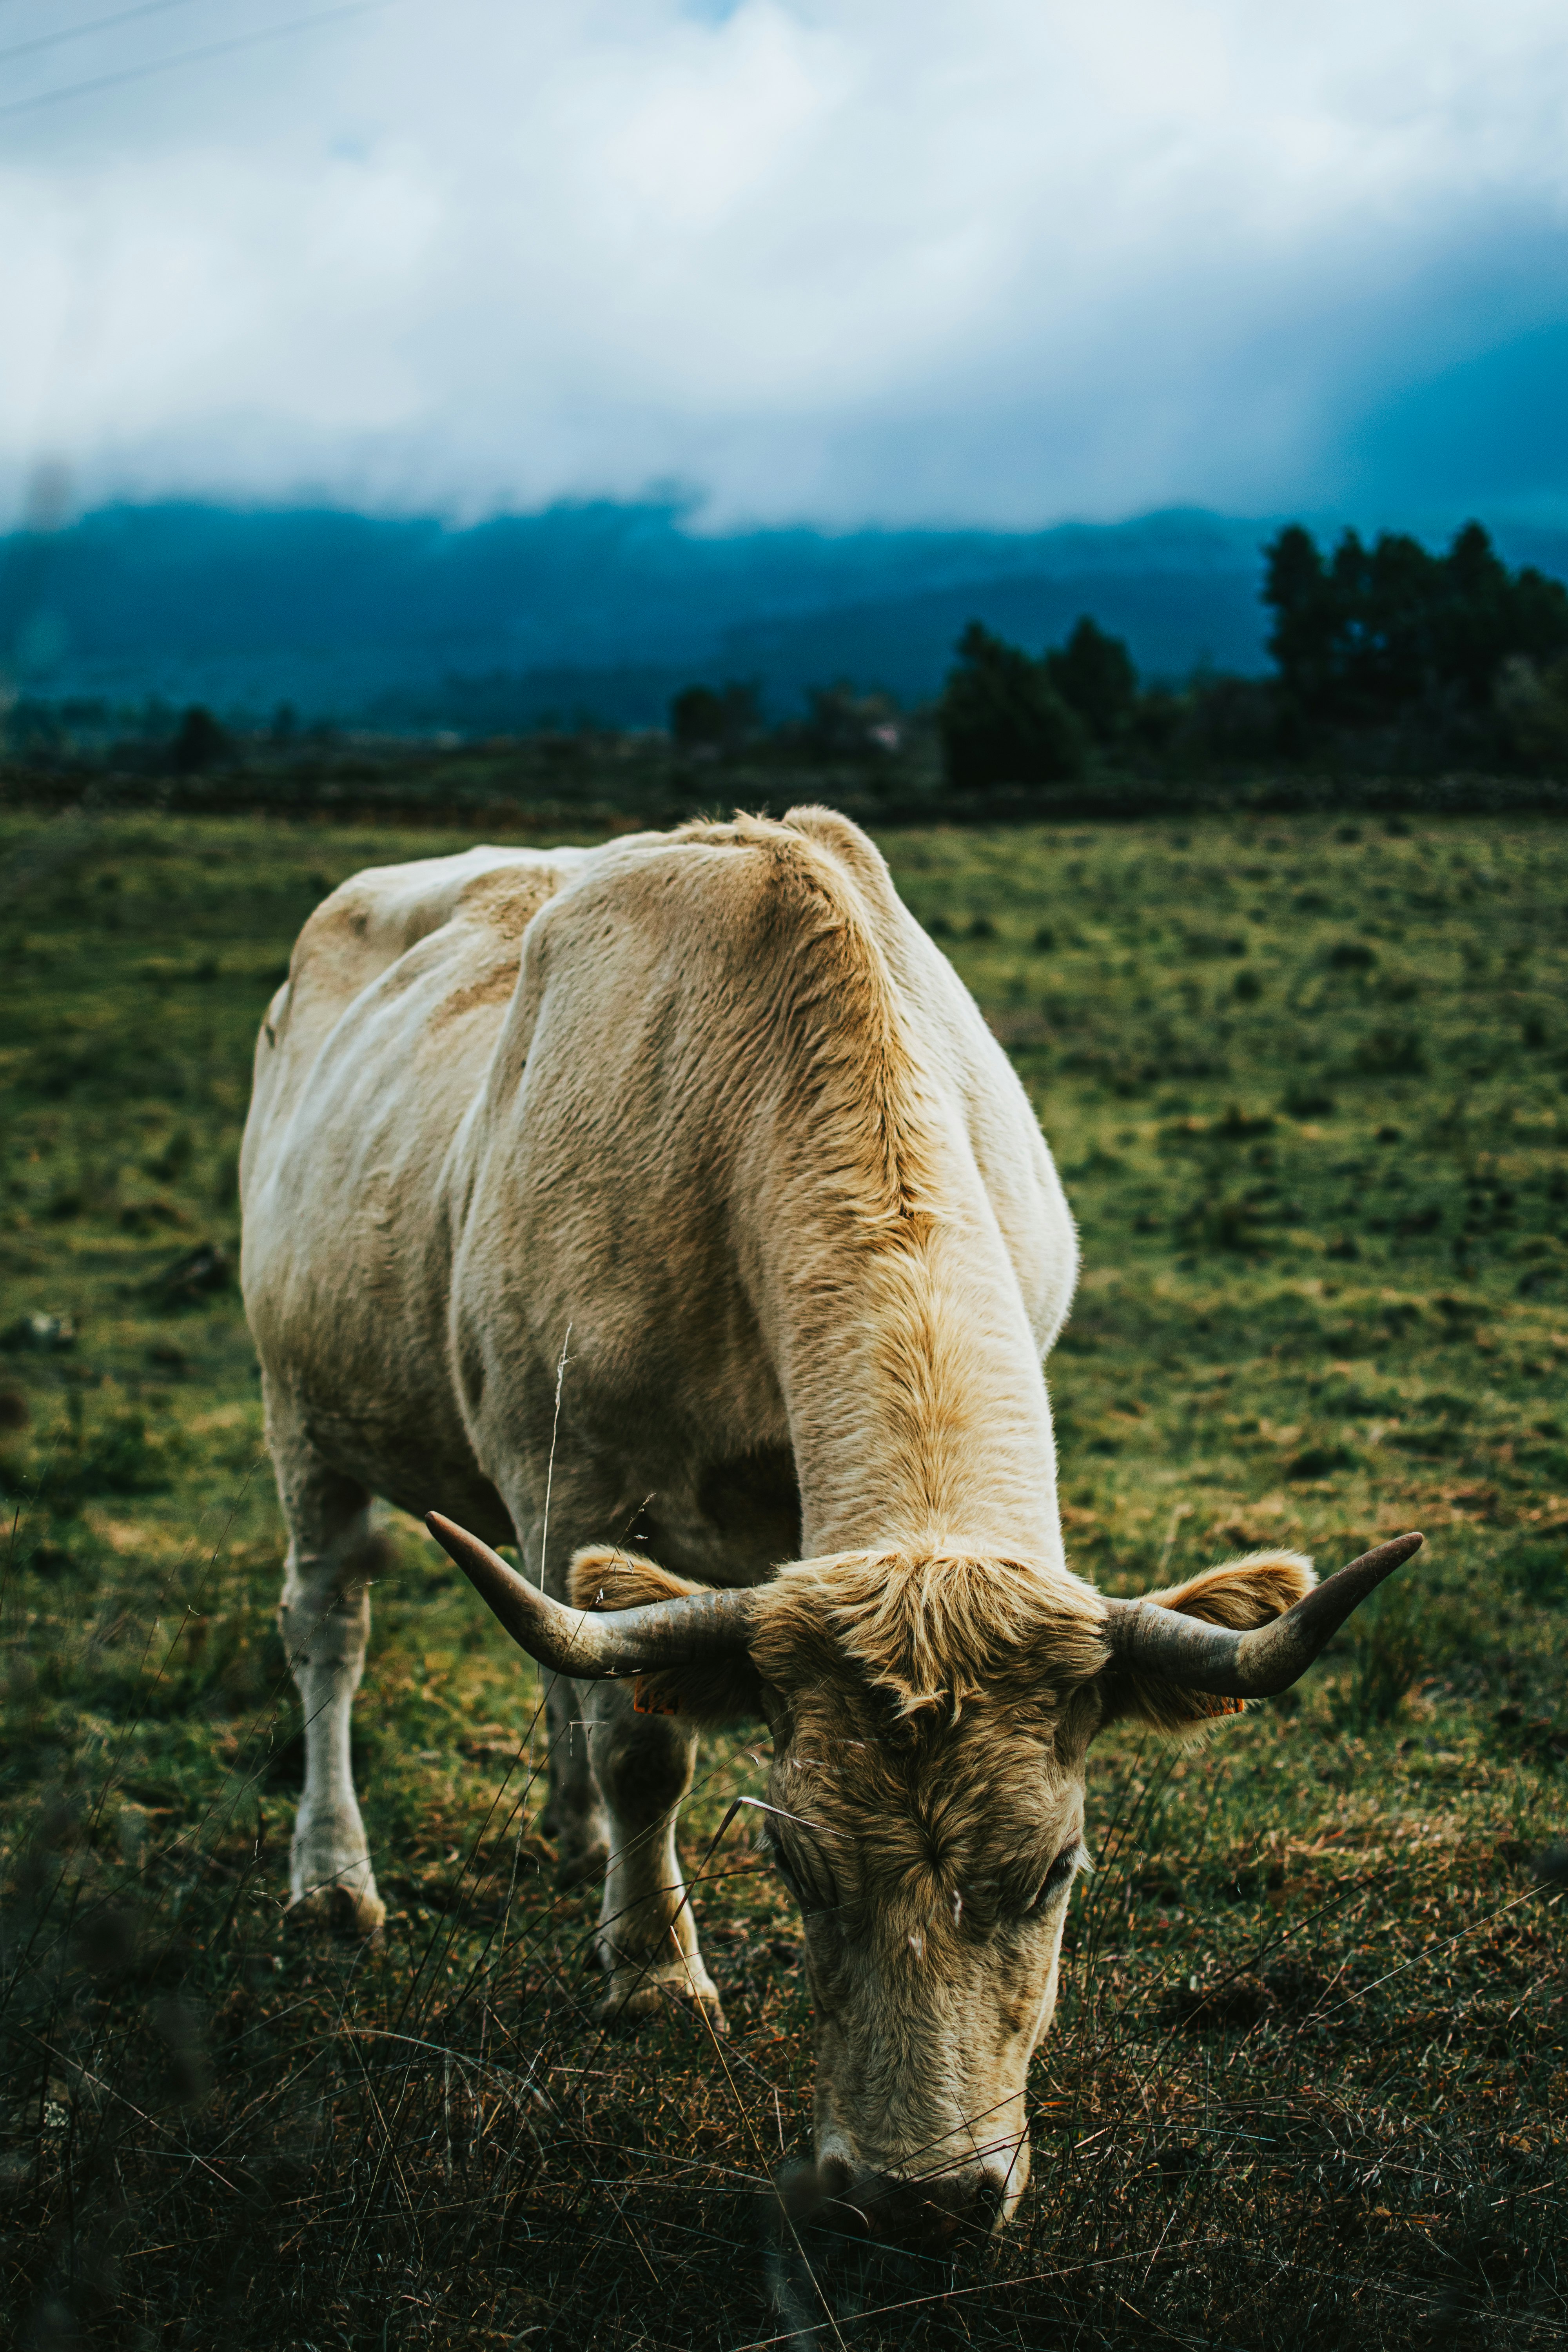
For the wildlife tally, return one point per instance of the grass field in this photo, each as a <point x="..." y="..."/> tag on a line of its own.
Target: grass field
<point x="1309" y="2082"/>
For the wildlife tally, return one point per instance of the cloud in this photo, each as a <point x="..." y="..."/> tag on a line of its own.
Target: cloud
<point x="855" y="261"/>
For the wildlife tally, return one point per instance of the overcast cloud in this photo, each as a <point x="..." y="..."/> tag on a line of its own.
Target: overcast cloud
<point x="1007" y="261"/>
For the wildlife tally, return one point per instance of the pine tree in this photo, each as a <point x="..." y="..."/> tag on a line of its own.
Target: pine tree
<point x="1001" y="721"/>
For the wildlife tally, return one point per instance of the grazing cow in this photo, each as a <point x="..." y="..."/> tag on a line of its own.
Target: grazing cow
<point x="713" y="1102"/>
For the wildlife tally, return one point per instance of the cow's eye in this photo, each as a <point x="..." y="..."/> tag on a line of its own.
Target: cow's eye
<point x="811" y="1886"/>
<point x="785" y="1873"/>
<point x="1060" y="1876"/>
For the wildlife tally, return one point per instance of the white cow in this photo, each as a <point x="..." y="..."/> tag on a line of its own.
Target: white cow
<point x="712" y="1102"/>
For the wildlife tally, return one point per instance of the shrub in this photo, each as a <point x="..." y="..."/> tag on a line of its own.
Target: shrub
<point x="841" y="724"/>
<point x="1532" y="703"/>
<point x="1221" y="720"/>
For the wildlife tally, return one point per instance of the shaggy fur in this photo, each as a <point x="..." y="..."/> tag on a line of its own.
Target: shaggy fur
<point x="926" y="1634"/>
<point x="931" y="1634"/>
<point x="836" y="1020"/>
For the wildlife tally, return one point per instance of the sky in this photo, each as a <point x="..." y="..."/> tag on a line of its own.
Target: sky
<point x="1006" y="262"/>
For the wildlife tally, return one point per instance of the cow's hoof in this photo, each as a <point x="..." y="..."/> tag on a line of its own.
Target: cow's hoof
<point x="579" y="1863"/>
<point x="336" y="1911"/>
<point x="636" y="1999"/>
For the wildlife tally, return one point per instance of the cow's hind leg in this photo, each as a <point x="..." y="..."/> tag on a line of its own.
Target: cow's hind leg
<point x="324" y="1619"/>
<point x="648" y="1936"/>
<point x="573" y="1814"/>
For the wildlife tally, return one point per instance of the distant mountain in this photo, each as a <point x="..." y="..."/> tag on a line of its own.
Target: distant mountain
<point x="588" y="611"/>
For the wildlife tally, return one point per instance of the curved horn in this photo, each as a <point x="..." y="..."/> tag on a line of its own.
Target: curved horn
<point x="581" y="1642"/>
<point x="1198" y="1656"/>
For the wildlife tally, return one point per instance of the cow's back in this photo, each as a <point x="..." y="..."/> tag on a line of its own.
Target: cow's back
<point x="482" y="898"/>
<point x="368" y="1060"/>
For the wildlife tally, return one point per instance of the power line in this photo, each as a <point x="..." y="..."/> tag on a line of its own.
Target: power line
<point x="191" y="58"/>
<point x="81" y="31"/>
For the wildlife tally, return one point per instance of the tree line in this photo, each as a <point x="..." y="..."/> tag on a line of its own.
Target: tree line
<point x="1384" y="656"/>
<point x="1388" y="661"/>
<point x="1387" y="658"/>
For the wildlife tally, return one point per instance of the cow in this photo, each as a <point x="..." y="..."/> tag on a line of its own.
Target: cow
<point x="666" y="1210"/>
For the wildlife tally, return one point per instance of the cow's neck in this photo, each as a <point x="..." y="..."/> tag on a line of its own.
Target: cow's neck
<point x="918" y="1410"/>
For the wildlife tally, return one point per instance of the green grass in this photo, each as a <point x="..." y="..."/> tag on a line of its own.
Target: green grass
<point x="1309" y="2084"/>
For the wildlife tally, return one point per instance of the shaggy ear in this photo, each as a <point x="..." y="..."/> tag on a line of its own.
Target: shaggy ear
<point x="709" y="1691"/>
<point x="1241" y="1594"/>
<point x="603" y="1576"/>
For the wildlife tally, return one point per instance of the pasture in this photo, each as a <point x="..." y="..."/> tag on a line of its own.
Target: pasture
<point x="1308" y="1087"/>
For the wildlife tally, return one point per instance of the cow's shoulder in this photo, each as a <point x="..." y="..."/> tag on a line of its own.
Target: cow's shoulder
<point x="809" y="841"/>
<point x="480" y="900"/>
<point x="377" y="916"/>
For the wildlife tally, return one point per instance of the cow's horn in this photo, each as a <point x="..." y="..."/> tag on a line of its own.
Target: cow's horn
<point x="1198" y="1656"/>
<point x="582" y="1642"/>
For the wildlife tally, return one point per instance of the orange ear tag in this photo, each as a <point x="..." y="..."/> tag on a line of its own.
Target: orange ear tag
<point x="643" y="1704"/>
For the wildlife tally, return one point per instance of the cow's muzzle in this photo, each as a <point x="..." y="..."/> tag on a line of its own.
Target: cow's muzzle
<point x="929" y="2213"/>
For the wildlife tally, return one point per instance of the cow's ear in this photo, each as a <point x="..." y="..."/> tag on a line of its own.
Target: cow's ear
<point x="1242" y="1593"/>
<point x="708" y="1691"/>
<point x="603" y="1576"/>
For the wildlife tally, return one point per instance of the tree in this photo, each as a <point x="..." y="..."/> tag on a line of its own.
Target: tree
<point x="1001" y="719"/>
<point x="1488" y="618"/>
<point x="714" y="719"/>
<point x="1093" y="673"/>
<point x="1304" y="605"/>
<point x="1381" y="633"/>
<point x="200" y="743"/>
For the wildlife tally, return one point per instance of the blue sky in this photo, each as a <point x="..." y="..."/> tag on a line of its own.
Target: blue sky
<point x="1008" y="262"/>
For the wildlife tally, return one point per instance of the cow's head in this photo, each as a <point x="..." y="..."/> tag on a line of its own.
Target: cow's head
<point x="930" y="1719"/>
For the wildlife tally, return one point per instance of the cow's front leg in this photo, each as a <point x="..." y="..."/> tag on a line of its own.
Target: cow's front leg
<point x="324" y="1619"/>
<point x="648" y="1936"/>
